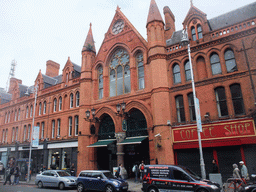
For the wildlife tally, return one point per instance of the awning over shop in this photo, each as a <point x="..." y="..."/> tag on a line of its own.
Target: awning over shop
<point x="102" y="143"/>
<point x="132" y="140"/>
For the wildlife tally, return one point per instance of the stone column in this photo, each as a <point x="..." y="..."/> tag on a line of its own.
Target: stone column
<point x="120" y="148"/>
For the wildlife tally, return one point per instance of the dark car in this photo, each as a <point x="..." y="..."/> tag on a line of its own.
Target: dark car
<point x="100" y="181"/>
<point x="175" y="178"/>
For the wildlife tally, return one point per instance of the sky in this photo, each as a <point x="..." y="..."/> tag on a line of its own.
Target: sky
<point x="35" y="31"/>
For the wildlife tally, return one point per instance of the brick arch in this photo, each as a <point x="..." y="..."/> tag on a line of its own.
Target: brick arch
<point x="218" y="51"/>
<point x="170" y="66"/>
<point x="142" y="106"/>
<point x="136" y="50"/>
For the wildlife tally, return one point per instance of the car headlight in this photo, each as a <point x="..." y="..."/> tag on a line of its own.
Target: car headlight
<point x="115" y="183"/>
<point x="214" y="187"/>
<point x="247" y="187"/>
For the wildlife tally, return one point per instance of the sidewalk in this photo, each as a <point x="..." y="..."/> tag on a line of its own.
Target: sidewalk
<point x="133" y="187"/>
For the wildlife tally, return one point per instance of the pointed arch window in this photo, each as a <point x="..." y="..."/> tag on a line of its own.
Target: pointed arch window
<point x="15" y="116"/>
<point x="139" y="61"/>
<point x="176" y="73"/>
<point x="221" y="101"/>
<point x="237" y="99"/>
<point x="60" y="103"/>
<point x="193" y="33"/>
<point x="18" y="114"/>
<point x="77" y="98"/>
<point x="180" y="108"/>
<point x="100" y="80"/>
<point x="230" y="60"/>
<point x="44" y="108"/>
<point x="120" y="73"/>
<point x="31" y="110"/>
<point x="187" y="71"/>
<point x="40" y="108"/>
<point x="199" y="31"/>
<point x="215" y="64"/>
<point x="71" y="100"/>
<point x="27" y="112"/>
<point x="55" y="105"/>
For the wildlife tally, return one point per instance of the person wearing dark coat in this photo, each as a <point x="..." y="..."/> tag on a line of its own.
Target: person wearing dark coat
<point x="16" y="176"/>
<point x="215" y="168"/>
<point x="8" y="177"/>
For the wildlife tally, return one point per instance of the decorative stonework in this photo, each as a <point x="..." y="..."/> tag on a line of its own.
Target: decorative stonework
<point x="120" y="136"/>
<point x="157" y="56"/>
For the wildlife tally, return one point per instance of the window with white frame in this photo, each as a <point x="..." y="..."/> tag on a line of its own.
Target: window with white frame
<point x="25" y="133"/>
<point x="29" y="130"/>
<point x="58" y="127"/>
<point x="53" y="128"/>
<point x="40" y="108"/>
<point x="27" y="112"/>
<point x="215" y="64"/>
<point x="180" y="108"/>
<point x="77" y="98"/>
<point x="191" y="107"/>
<point x="70" y="126"/>
<point x="76" y="125"/>
<point x="60" y="103"/>
<point x="187" y="71"/>
<point x="42" y="130"/>
<point x="31" y="110"/>
<point x="176" y="73"/>
<point x="221" y="101"/>
<point x="230" y="60"/>
<point x="55" y="105"/>
<point x="44" y="112"/>
<point x="71" y="100"/>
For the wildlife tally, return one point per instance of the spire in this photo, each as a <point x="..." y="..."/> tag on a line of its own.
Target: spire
<point x="89" y="42"/>
<point x="191" y="3"/>
<point x="154" y="14"/>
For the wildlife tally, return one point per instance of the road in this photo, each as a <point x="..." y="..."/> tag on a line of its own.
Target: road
<point x="30" y="188"/>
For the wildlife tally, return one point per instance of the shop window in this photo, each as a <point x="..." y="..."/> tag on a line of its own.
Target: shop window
<point x="76" y="125"/>
<point x="25" y="133"/>
<point x="40" y="108"/>
<point x="180" y="108"/>
<point x="71" y="100"/>
<point x="230" y="60"/>
<point x="193" y="33"/>
<point x="221" y="101"/>
<point x="215" y="64"/>
<point x="44" y="112"/>
<point x="120" y="73"/>
<point x="60" y="103"/>
<point x="53" y="128"/>
<point x="191" y="107"/>
<point x="187" y="71"/>
<point x="176" y="73"/>
<point x="58" y="127"/>
<point x="55" y="105"/>
<point x="100" y="81"/>
<point x="42" y="130"/>
<point x="77" y="98"/>
<point x="237" y="99"/>
<point x="199" y="31"/>
<point x="140" y="66"/>
<point x="70" y="126"/>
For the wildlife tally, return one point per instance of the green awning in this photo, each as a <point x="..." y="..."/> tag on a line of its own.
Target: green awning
<point x="132" y="140"/>
<point x="102" y="143"/>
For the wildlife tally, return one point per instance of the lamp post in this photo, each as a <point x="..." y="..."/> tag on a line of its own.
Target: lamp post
<point x="185" y="41"/>
<point x="31" y="132"/>
<point x="94" y="119"/>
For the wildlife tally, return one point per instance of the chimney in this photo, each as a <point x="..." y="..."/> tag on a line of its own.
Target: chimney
<point x="52" y="68"/>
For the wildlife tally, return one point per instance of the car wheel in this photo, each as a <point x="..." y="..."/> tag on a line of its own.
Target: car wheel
<point x="152" y="189"/>
<point x="80" y="187"/>
<point x="61" y="186"/>
<point x="40" y="184"/>
<point x="109" y="188"/>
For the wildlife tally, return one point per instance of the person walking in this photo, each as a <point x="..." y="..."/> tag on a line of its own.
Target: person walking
<point x="135" y="169"/>
<point x="72" y="170"/>
<point x="244" y="171"/>
<point x="9" y="174"/>
<point x="215" y="168"/>
<point x="16" y="176"/>
<point x="141" y="168"/>
<point x="118" y="172"/>
<point x="236" y="172"/>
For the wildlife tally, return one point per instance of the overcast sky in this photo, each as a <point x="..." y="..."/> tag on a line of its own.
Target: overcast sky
<point x="34" y="31"/>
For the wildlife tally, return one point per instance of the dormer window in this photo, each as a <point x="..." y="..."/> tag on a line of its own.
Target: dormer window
<point x="193" y="33"/>
<point x="199" y="32"/>
<point x="196" y="32"/>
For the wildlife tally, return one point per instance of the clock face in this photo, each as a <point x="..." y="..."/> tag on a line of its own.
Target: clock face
<point x="118" y="27"/>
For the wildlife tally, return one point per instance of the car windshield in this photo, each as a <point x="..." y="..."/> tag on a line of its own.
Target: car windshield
<point x="63" y="173"/>
<point x="191" y="173"/>
<point x="109" y="175"/>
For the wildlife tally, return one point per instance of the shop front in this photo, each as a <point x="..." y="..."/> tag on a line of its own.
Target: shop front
<point x="226" y="141"/>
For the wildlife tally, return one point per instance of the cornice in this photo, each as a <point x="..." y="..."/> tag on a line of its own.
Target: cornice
<point x="156" y="56"/>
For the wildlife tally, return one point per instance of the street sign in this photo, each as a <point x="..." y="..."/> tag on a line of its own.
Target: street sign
<point x="198" y="116"/>
<point x="35" y="137"/>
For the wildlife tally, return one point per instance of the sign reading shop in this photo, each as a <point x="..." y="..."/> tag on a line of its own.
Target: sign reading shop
<point x="223" y="130"/>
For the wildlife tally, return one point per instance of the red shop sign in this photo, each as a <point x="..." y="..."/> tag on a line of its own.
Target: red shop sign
<point x="223" y="130"/>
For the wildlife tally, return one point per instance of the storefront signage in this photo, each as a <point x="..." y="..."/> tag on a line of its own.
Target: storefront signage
<point x="223" y="130"/>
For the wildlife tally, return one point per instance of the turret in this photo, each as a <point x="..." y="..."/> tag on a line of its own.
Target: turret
<point x="169" y="23"/>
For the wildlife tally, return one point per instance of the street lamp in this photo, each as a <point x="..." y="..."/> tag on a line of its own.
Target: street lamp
<point x="185" y="41"/>
<point x="120" y="107"/>
<point x="31" y="132"/>
<point x="94" y="119"/>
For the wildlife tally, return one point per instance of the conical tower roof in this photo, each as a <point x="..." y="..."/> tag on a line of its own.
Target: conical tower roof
<point x="89" y="42"/>
<point x="154" y="14"/>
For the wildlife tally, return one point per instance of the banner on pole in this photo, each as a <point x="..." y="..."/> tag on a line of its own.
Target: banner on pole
<point x="198" y="115"/>
<point x="35" y="137"/>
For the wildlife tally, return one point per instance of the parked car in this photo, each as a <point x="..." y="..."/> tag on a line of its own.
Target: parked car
<point x="55" y="178"/>
<point x="175" y="178"/>
<point x="100" y="181"/>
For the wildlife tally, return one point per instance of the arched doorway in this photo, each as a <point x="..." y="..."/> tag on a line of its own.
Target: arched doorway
<point x="106" y="155"/>
<point x="138" y="149"/>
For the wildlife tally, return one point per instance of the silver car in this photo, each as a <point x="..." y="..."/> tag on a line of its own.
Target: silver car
<point x="55" y="178"/>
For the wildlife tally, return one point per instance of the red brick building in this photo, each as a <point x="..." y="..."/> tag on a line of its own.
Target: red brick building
<point x="152" y="82"/>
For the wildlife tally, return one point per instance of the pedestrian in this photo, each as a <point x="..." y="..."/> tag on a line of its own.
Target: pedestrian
<point x="9" y="174"/>
<point x="118" y="172"/>
<point x="141" y="168"/>
<point x="73" y="170"/>
<point x="215" y="168"/>
<point x="135" y="170"/>
<point x="16" y="176"/>
<point x="236" y="172"/>
<point x="244" y="171"/>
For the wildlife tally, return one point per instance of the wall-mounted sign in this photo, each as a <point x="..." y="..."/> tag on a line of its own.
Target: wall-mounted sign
<point x="221" y="130"/>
